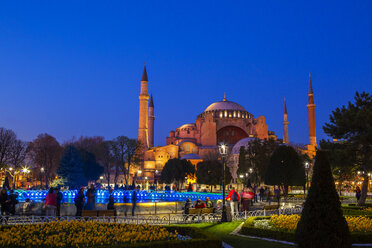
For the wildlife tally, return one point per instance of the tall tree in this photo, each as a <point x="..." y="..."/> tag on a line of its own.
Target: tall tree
<point x="7" y="139"/>
<point x="46" y="153"/>
<point x="322" y="223"/>
<point x="126" y="154"/>
<point x="352" y="124"/>
<point x="89" y="144"/>
<point x="285" y="168"/>
<point x="176" y="171"/>
<point x="254" y="159"/>
<point x="17" y="158"/>
<point x="209" y="173"/>
<point x="106" y="159"/>
<point x="71" y="168"/>
<point x="342" y="158"/>
<point x="92" y="169"/>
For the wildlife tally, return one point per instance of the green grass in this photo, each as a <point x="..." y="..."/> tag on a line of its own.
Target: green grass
<point x="222" y="231"/>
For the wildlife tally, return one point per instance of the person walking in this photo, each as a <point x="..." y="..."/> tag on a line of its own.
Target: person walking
<point x="59" y="200"/>
<point x="91" y="198"/>
<point x="50" y="203"/>
<point x="187" y="206"/>
<point x="251" y="196"/>
<point x="79" y="201"/>
<point x="255" y="193"/>
<point x="277" y="194"/>
<point x="134" y="201"/>
<point x="357" y="193"/>
<point x="111" y="202"/>
<point x="244" y="200"/>
<point x="13" y="201"/>
<point x="234" y="198"/>
<point x="262" y="194"/>
<point x="268" y="195"/>
<point x="4" y="202"/>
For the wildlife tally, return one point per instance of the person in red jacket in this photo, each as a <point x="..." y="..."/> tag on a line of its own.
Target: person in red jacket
<point x="234" y="198"/>
<point x="50" y="203"/>
<point x="200" y="204"/>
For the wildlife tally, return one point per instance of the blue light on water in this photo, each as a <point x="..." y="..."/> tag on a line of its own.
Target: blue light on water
<point x="103" y="195"/>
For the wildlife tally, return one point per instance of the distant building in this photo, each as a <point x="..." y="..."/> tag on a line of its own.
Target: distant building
<point x="221" y="122"/>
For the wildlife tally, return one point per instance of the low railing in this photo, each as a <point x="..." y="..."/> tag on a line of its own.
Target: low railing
<point x="166" y="219"/>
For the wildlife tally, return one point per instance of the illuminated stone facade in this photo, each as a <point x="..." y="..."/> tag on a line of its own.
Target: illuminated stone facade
<point x="221" y="122"/>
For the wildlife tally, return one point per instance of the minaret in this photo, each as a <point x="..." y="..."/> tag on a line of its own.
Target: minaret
<point x="143" y="111"/>
<point x="285" y="124"/>
<point x="151" y="122"/>
<point x="311" y="112"/>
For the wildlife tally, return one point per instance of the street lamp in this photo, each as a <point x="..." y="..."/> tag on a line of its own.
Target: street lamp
<point x="307" y="166"/>
<point x="223" y="150"/>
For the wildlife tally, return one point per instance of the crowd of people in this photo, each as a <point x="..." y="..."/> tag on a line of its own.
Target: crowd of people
<point x="242" y="202"/>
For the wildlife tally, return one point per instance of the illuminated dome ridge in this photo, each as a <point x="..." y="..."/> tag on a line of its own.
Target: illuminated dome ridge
<point x="224" y="105"/>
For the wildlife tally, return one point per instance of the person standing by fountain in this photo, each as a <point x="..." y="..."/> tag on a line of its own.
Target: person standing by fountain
<point x="111" y="202"/>
<point x="50" y="203"/>
<point x="91" y="195"/>
<point x="4" y="202"/>
<point x="134" y="201"/>
<point x="59" y="200"/>
<point x="79" y="201"/>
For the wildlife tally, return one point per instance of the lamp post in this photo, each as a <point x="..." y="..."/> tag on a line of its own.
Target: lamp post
<point x="307" y="166"/>
<point x="223" y="150"/>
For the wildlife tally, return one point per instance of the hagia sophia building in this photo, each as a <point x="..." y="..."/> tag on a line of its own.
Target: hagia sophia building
<point x="223" y="121"/>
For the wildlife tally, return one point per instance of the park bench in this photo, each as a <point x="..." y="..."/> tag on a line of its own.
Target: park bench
<point x="201" y="210"/>
<point x="98" y="213"/>
<point x="271" y="207"/>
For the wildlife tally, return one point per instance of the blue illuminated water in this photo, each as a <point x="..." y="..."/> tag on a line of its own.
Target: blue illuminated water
<point x="119" y="196"/>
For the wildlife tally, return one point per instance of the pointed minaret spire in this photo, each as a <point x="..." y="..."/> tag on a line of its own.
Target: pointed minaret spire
<point x="285" y="124"/>
<point x="285" y="106"/>
<point x="311" y="114"/>
<point x="310" y="85"/>
<point x="143" y="111"/>
<point x="151" y="104"/>
<point x="144" y="74"/>
<point x="224" y="97"/>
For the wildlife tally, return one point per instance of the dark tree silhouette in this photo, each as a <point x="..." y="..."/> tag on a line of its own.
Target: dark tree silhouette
<point x="285" y="168"/>
<point x="322" y="223"/>
<point x="352" y="124"/>
<point x="71" y="168"/>
<point x="176" y="171"/>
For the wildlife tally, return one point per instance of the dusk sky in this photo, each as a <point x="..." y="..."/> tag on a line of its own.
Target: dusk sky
<point x="73" y="68"/>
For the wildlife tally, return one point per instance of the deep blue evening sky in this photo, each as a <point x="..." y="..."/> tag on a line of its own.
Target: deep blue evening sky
<point x="72" y="68"/>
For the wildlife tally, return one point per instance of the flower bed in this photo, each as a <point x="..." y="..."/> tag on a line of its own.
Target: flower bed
<point x="283" y="227"/>
<point x="93" y="234"/>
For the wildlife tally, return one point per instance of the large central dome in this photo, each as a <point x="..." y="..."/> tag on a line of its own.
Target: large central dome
<point x="224" y="105"/>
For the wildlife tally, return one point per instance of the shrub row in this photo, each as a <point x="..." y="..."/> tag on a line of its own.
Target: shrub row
<point x="250" y="230"/>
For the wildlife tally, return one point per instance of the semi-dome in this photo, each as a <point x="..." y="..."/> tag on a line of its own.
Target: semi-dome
<point x="225" y="105"/>
<point x="243" y="142"/>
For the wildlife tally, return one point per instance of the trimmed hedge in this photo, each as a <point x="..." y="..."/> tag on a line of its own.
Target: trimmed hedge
<point x="248" y="229"/>
<point x="200" y="239"/>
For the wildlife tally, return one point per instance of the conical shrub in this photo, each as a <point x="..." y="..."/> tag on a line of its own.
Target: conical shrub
<point x="322" y="224"/>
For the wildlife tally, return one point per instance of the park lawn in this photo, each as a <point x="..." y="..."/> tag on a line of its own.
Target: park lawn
<point x="222" y="231"/>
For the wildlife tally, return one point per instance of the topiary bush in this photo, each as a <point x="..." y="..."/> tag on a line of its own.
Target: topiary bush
<point x="322" y="223"/>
